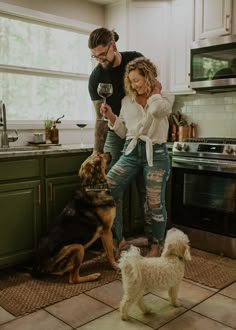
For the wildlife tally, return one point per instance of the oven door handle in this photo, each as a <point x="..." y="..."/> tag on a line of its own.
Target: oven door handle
<point x="203" y="163"/>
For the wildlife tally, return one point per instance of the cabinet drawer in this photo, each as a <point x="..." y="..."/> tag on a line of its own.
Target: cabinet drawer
<point x="18" y="169"/>
<point x="67" y="164"/>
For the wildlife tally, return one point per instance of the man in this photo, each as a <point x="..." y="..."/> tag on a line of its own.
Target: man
<point x="110" y="69"/>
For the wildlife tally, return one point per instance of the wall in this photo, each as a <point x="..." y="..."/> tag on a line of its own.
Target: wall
<point x="66" y="136"/>
<point x="214" y="114"/>
<point x="80" y="10"/>
<point x="116" y="17"/>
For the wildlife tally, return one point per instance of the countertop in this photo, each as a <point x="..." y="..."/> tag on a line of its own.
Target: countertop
<point x="22" y="151"/>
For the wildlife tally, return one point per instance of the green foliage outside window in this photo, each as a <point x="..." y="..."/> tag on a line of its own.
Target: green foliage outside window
<point x="44" y="71"/>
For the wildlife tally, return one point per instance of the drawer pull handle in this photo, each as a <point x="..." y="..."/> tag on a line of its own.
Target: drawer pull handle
<point x="39" y="194"/>
<point x="50" y="191"/>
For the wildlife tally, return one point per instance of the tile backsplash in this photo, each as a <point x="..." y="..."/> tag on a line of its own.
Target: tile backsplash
<point x="214" y="114"/>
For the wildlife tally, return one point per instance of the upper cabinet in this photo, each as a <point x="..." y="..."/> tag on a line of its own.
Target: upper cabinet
<point x="181" y="38"/>
<point x="213" y="18"/>
<point x="116" y="17"/>
<point x="148" y="29"/>
<point x="143" y="26"/>
<point x="164" y="32"/>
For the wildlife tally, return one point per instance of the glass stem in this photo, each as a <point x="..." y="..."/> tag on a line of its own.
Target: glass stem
<point x="81" y="136"/>
<point x="104" y="102"/>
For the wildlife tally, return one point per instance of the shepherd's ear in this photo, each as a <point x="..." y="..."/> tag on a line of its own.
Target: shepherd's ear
<point x="86" y="173"/>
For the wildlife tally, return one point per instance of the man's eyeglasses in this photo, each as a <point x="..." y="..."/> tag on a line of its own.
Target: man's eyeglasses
<point x="101" y="56"/>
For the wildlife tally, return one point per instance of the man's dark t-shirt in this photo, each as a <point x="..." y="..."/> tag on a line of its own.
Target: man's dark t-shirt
<point x="114" y="76"/>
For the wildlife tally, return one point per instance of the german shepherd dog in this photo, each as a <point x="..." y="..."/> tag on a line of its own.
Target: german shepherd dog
<point x="87" y="217"/>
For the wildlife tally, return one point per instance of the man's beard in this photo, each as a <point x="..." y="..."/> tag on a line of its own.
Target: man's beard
<point x="108" y="65"/>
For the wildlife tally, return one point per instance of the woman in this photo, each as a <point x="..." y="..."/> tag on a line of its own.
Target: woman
<point x="143" y="121"/>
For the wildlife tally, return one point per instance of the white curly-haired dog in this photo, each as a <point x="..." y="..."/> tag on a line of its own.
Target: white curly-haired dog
<point x="141" y="274"/>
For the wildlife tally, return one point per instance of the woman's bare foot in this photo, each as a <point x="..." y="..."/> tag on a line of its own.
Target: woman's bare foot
<point x="155" y="251"/>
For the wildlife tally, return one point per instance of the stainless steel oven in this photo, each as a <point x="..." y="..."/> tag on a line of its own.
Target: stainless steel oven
<point x="204" y="193"/>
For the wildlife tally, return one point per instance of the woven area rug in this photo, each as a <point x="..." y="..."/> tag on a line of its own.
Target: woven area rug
<point x="20" y="294"/>
<point x="211" y="270"/>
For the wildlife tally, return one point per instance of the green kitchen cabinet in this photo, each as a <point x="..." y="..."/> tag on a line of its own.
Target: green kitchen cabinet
<point x="61" y="181"/>
<point x="20" y="205"/>
<point x="59" y="191"/>
<point x="33" y="192"/>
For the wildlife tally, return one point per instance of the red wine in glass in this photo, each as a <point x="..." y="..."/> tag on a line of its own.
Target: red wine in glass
<point x="81" y="127"/>
<point x="104" y="90"/>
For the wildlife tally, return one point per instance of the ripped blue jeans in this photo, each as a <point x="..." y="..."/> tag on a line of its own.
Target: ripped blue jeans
<point x="155" y="178"/>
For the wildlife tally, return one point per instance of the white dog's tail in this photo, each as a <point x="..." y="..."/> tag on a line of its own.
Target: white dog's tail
<point x="128" y="260"/>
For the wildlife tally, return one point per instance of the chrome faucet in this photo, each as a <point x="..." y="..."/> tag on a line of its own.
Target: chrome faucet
<point x="5" y="138"/>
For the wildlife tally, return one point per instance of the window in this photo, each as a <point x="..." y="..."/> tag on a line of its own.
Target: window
<point x="44" y="70"/>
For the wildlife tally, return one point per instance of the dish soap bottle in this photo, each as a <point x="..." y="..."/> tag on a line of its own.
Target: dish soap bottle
<point x="54" y="134"/>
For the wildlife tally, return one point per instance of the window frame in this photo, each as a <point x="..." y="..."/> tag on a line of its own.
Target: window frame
<point x="42" y="18"/>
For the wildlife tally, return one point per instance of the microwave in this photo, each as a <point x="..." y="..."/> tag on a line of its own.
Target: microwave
<point x="213" y="65"/>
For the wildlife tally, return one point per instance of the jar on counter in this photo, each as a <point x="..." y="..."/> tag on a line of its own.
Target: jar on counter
<point x="54" y="134"/>
<point x="38" y="138"/>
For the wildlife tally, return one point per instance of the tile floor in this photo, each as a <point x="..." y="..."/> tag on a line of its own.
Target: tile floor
<point x="202" y="308"/>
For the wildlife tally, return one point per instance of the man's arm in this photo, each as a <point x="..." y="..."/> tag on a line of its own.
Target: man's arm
<point x="101" y="128"/>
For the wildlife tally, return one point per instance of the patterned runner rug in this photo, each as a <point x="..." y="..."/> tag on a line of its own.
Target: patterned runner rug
<point x="210" y="269"/>
<point x="20" y="294"/>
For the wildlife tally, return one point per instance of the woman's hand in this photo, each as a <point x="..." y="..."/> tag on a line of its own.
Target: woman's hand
<point x="157" y="89"/>
<point x="106" y="111"/>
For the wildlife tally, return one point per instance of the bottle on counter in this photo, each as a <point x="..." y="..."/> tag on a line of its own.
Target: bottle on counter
<point x="54" y="134"/>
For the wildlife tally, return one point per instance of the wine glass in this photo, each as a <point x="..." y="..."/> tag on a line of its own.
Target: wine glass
<point x="104" y="90"/>
<point x="81" y="127"/>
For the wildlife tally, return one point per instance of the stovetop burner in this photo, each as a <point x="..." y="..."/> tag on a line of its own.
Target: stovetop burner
<point x="216" y="140"/>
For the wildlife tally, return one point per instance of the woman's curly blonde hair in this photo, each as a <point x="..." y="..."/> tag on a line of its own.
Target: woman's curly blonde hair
<point x="147" y="69"/>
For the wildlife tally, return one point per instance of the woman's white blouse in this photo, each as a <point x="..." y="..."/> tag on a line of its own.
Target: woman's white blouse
<point x="149" y="124"/>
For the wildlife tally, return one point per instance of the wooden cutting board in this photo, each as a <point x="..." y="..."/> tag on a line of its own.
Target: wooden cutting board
<point x="44" y="144"/>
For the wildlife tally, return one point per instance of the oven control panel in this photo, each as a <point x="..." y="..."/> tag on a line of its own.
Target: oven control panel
<point x="203" y="149"/>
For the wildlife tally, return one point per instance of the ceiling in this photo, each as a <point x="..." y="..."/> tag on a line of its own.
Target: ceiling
<point x="103" y="2"/>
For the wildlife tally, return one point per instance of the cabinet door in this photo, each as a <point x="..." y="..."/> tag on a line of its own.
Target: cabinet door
<point x="148" y="25"/>
<point x="59" y="191"/>
<point x="20" y="205"/>
<point x="181" y="37"/>
<point x="212" y="18"/>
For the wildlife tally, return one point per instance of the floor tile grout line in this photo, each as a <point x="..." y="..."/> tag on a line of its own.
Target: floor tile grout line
<point x="224" y="295"/>
<point x="210" y="318"/>
<point x="115" y="308"/>
<point x="97" y="318"/>
<point x="56" y="317"/>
